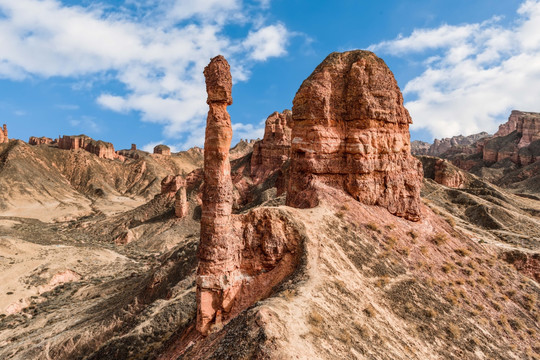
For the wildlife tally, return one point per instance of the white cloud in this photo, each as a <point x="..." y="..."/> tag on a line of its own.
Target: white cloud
<point x="150" y="146"/>
<point x="266" y="42"/>
<point x="474" y="74"/>
<point x="157" y="51"/>
<point x="247" y="131"/>
<point x="85" y="124"/>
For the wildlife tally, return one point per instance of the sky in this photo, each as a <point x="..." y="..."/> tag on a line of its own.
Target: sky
<point x="130" y="71"/>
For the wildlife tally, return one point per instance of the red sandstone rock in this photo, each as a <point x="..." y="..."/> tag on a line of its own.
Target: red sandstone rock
<point x="4" y="135"/>
<point x="100" y="148"/>
<point x="181" y="206"/>
<point x="448" y="175"/>
<point x="217" y="274"/>
<point x="273" y="150"/>
<point x="351" y="131"/>
<point x="162" y="150"/>
<point x="40" y="141"/>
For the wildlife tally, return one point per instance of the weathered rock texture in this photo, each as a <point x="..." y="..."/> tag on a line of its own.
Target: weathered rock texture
<point x="217" y="275"/>
<point x="351" y="131"/>
<point x="162" y="150"/>
<point x="4" y="135"/>
<point x="456" y="144"/>
<point x="273" y="150"/>
<point x="100" y="148"/>
<point x="40" y="140"/>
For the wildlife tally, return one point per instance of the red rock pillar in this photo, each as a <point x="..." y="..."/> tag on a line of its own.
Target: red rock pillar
<point x="217" y="274"/>
<point x="180" y="203"/>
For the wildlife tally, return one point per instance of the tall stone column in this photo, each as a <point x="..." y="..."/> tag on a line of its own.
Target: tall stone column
<point x="218" y="278"/>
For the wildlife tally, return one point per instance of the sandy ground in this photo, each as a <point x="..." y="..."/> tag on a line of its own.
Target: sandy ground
<point x="26" y="268"/>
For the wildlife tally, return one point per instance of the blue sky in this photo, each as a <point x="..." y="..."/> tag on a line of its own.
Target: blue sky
<point x="130" y="71"/>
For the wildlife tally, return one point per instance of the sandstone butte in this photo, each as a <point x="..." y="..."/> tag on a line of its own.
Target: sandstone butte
<point x="100" y="148"/>
<point x="273" y="150"/>
<point x="351" y="131"/>
<point x="217" y="274"/>
<point x="4" y="135"/>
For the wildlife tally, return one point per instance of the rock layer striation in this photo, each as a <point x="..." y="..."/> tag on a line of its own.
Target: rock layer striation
<point x="351" y="131"/>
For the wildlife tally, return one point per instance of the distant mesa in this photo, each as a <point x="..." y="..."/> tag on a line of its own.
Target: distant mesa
<point x="162" y="150"/>
<point x="4" y="135"/>
<point x="100" y="148"/>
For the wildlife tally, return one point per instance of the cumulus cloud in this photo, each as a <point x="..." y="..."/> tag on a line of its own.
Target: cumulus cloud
<point x="473" y="74"/>
<point x="156" y="49"/>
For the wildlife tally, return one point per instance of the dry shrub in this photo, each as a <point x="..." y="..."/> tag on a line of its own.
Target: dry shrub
<point x="439" y="239"/>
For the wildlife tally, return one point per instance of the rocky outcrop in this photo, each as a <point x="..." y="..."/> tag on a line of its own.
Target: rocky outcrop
<point x="217" y="275"/>
<point x="270" y="153"/>
<point x="40" y="140"/>
<point x="4" y="135"/>
<point x="527" y="124"/>
<point x="162" y="150"/>
<point x="100" y="148"/>
<point x="351" y="131"/>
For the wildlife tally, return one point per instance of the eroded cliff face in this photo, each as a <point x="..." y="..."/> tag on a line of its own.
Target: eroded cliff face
<point x="351" y="131"/>
<point x="273" y="150"/>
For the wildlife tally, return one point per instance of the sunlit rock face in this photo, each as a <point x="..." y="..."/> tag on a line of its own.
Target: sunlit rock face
<point x="351" y="131"/>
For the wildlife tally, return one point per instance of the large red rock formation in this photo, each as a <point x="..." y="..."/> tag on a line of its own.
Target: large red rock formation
<point x="217" y="274"/>
<point x="351" y="131"/>
<point x="40" y="140"/>
<point x="100" y="148"/>
<point x="181" y="206"/>
<point x="4" y="135"/>
<point x="273" y="150"/>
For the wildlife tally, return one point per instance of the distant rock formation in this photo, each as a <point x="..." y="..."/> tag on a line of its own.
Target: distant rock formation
<point x="4" y="135"/>
<point x="456" y="144"/>
<point x="40" y="140"/>
<point x="218" y="273"/>
<point x="100" y="148"/>
<point x="525" y="123"/>
<point x="443" y="172"/>
<point x="517" y="140"/>
<point x="270" y="153"/>
<point x="351" y="131"/>
<point x="420" y="147"/>
<point x="162" y="150"/>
